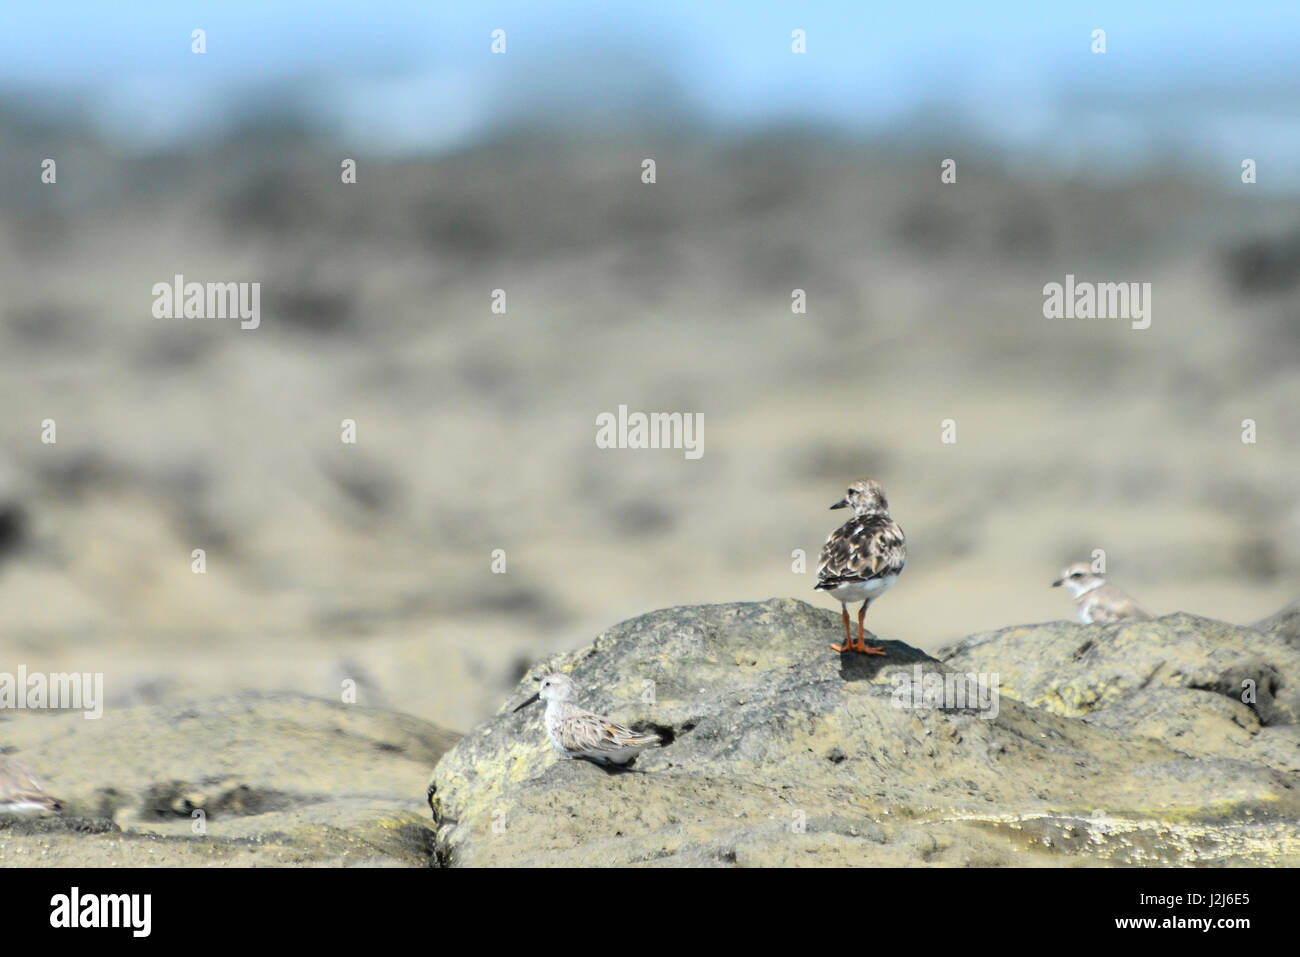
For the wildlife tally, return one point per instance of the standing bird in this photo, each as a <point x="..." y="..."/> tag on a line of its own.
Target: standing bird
<point x="584" y="734"/>
<point x="862" y="558"/>
<point x="1098" y="602"/>
<point x="20" y="793"/>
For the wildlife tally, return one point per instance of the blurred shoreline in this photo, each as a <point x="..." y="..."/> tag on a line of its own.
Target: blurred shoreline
<point x="476" y="431"/>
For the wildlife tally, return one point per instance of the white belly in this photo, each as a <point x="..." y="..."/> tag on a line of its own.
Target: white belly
<point x="22" y="808"/>
<point x="862" y="591"/>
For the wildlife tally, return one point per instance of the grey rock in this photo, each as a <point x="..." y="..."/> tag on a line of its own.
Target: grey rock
<point x="784" y="753"/>
<point x="1285" y="624"/>
<point x="279" y="778"/>
<point x="1072" y="669"/>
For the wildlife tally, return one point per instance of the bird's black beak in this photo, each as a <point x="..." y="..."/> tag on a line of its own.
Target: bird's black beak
<point x="842" y="503"/>
<point x="1057" y="582"/>
<point x="536" y="697"/>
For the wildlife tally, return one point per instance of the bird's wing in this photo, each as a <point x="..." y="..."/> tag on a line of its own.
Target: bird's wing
<point x="860" y="549"/>
<point x="17" y="784"/>
<point x="1118" y="606"/>
<point x="586" y="731"/>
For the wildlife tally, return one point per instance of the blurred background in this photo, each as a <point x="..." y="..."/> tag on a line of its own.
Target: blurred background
<point x="476" y="431"/>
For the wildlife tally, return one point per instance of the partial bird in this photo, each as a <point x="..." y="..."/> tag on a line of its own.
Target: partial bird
<point x="20" y="792"/>
<point x="580" y="733"/>
<point x="1096" y="601"/>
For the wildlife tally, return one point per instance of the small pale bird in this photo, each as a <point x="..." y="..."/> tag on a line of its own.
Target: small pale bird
<point x="579" y="733"/>
<point x="20" y="792"/>
<point x="1098" y="602"/>
<point x="862" y="558"/>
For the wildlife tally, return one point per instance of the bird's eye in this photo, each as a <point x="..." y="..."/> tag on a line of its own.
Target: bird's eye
<point x="1077" y="575"/>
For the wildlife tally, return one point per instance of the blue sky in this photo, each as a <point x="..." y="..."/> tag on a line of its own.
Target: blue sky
<point x="1211" y="77"/>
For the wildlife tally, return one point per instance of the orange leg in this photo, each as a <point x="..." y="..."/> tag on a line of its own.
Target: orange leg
<point x="862" y="647"/>
<point x="848" y="639"/>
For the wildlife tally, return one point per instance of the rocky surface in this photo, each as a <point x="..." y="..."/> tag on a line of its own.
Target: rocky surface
<point x="1128" y="743"/>
<point x="1122" y="744"/>
<point x="1204" y="687"/>
<point x="281" y="779"/>
<point x="1285" y="624"/>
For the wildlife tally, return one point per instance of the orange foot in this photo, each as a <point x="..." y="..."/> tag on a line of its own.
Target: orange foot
<point x="844" y="647"/>
<point x="863" y="648"/>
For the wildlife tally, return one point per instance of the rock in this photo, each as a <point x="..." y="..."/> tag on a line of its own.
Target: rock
<point x="1285" y="624"/>
<point x="280" y="778"/>
<point x="1179" y="679"/>
<point x="784" y="753"/>
<point x="1073" y="669"/>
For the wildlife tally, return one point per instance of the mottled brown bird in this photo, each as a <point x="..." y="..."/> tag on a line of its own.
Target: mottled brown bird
<point x="862" y="558"/>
